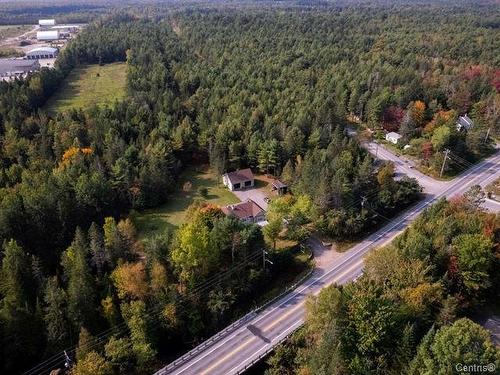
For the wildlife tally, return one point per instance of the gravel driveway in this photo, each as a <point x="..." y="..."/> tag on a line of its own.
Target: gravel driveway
<point x="256" y="195"/>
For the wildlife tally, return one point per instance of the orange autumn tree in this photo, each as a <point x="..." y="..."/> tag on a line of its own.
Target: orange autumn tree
<point x="130" y="281"/>
<point x="440" y="118"/>
<point x="72" y="154"/>
<point x="417" y="112"/>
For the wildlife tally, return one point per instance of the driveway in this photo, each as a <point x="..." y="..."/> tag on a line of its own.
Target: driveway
<point x="254" y="194"/>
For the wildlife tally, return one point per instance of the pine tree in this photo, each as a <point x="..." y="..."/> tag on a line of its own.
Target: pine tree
<point x="80" y="283"/>
<point x="55" y="315"/>
<point x="96" y="243"/>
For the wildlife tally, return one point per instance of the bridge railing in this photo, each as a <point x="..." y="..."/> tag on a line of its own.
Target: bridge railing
<point x="230" y="328"/>
<point x="267" y="351"/>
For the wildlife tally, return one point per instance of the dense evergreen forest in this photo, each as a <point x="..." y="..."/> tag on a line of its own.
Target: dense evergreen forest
<point x="233" y="88"/>
<point x="405" y="315"/>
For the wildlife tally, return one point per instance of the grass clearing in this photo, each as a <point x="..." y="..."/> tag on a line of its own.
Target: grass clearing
<point x="171" y="215"/>
<point x="10" y="31"/>
<point x="90" y="85"/>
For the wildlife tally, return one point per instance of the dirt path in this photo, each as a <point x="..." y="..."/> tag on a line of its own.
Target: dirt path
<point x="13" y="40"/>
<point x="323" y="255"/>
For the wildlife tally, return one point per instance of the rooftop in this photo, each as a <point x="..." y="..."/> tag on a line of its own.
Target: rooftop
<point x="394" y="135"/>
<point x="243" y="210"/>
<point x="240" y="176"/>
<point x="278" y="184"/>
<point x="465" y="122"/>
<point x="43" y="49"/>
<point x="9" y="65"/>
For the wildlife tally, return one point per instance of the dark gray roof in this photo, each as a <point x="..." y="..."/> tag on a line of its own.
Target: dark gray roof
<point x="279" y="184"/>
<point x="12" y="66"/>
<point x="240" y="176"/>
<point x="464" y="122"/>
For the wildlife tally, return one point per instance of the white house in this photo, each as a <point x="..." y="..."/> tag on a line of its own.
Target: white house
<point x="237" y="180"/>
<point x="393" y="137"/>
<point x="464" y="123"/>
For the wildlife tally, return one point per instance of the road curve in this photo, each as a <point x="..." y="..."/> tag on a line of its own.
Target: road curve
<point x="240" y="345"/>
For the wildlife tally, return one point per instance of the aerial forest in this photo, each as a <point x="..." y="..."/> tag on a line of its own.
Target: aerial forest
<point x="271" y="89"/>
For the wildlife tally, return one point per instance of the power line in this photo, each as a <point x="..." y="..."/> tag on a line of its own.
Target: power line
<point x="122" y="327"/>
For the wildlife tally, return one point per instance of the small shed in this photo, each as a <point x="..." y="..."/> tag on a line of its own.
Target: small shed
<point x="393" y="137"/>
<point x="280" y="187"/>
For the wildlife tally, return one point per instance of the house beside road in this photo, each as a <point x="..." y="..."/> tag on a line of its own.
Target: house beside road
<point x="247" y="211"/>
<point x="464" y="123"/>
<point x="393" y="137"/>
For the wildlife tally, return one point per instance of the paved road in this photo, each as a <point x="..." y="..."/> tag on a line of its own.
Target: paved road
<point x="405" y="166"/>
<point x="238" y="346"/>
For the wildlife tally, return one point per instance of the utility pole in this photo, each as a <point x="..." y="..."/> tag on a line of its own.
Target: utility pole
<point x="363" y="201"/>
<point x="265" y="260"/>
<point x="446" y="152"/>
<point x="487" y="134"/>
<point x="67" y="361"/>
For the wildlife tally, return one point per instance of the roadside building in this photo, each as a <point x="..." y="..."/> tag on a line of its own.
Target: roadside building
<point x="280" y="187"/>
<point x="46" y="23"/>
<point x="41" y="53"/>
<point x="240" y="179"/>
<point x="48" y="35"/>
<point x="247" y="211"/>
<point x="15" y="68"/>
<point x="393" y="137"/>
<point x="464" y="123"/>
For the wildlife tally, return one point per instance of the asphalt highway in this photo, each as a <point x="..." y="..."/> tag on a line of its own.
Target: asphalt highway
<point x="237" y="347"/>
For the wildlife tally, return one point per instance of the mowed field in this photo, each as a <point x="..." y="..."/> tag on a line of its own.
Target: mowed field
<point x="90" y="85"/>
<point x="173" y="213"/>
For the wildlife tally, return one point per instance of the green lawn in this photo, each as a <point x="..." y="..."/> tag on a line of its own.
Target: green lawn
<point x="172" y="214"/>
<point x="88" y="85"/>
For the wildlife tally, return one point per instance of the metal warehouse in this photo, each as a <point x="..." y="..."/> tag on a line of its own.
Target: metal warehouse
<point x="48" y="35"/>
<point x="46" y="22"/>
<point x="17" y="67"/>
<point x="42" y="53"/>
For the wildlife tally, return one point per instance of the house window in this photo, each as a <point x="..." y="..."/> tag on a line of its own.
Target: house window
<point x="248" y="183"/>
<point x="236" y="186"/>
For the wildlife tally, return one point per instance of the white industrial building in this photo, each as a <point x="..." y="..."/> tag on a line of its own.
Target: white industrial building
<point x="13" y="68"/>
<point x="46" y="23"/>
<point x="41" y="53"/>
<point x="48" y="35"/>
<point x="66" y="28"/>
